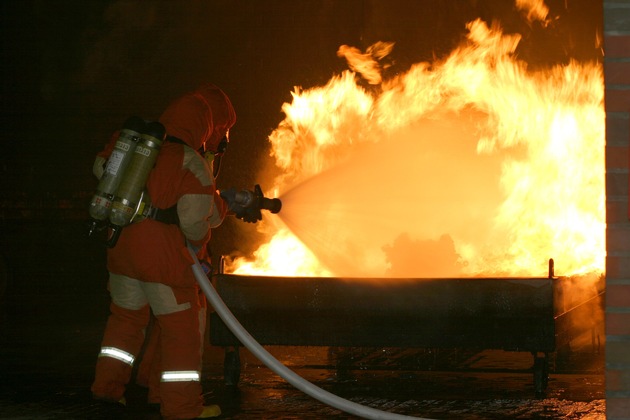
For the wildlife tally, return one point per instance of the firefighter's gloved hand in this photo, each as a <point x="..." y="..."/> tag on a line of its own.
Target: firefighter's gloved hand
<point x="229" y="196"/>
<point x="249" y="214"/>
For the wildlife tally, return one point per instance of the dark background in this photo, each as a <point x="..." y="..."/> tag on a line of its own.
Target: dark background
<point x="73" y="71"/>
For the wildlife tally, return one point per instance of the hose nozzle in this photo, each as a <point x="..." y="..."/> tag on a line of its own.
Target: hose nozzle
<point x="256" y="200"/>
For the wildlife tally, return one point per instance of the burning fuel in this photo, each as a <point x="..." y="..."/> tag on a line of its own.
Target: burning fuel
<point x="471" y="165"/>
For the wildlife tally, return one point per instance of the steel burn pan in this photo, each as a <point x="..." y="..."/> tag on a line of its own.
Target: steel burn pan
<point x="512" y="314"/>
<point x="515" y="314"/>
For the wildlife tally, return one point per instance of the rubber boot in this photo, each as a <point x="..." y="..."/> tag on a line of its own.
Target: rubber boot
<point x="210" y="411"/>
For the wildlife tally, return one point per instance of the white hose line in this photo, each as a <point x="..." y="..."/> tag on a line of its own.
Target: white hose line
<point x="275" y="365"/>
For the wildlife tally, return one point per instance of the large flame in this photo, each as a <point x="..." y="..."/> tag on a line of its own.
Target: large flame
<point x="472" y="165"/>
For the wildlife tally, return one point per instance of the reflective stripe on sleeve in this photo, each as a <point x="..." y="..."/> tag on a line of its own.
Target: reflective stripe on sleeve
<point x="115" y="353"/>
<point x="180" y="376"/>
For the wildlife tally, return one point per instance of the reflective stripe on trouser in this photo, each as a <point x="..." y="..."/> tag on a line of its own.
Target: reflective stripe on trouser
<point x="181" y="376"/>
<point x="118" y="354"/>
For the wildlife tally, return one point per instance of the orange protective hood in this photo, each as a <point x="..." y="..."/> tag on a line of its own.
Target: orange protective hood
<point x="200" y="117"/>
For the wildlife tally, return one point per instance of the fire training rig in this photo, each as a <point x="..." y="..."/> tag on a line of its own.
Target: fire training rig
<point x="536" y="315"/>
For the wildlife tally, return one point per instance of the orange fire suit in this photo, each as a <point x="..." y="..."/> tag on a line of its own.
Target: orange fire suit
<point x="150" y="269"/>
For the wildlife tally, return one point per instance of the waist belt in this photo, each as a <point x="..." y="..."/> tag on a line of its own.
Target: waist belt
<point x="168" y="216"/>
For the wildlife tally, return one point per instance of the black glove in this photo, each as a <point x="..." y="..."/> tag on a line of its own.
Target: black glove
<point x="249" y="213"/>
<point x="229" y="196"/>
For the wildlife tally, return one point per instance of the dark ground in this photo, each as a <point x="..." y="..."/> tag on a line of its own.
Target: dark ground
<point x="48" y="370"/>
<point x="54" y="307"/>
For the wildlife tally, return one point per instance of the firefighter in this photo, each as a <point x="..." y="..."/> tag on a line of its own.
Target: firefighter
<point x="150" y="269"/>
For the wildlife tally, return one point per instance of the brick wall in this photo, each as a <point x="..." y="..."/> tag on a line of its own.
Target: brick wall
<point x="617" y="79"/>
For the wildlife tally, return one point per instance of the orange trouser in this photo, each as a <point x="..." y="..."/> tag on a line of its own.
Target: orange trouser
<point x="149" y="370"/>
<point x="124" y="332"/>
<point x="180" y="317"/>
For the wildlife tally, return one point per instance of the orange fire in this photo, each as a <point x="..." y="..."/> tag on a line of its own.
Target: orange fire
<point x="468" y="166"/>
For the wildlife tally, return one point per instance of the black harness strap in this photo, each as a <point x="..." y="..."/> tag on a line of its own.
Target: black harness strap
<point x="168" y="216"/>
<point x="174" y="139"/>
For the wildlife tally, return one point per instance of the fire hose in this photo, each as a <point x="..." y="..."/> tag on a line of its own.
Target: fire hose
<point x="274" y="364"/>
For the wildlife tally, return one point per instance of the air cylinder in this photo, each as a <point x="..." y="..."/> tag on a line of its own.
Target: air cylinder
<point x="118" y="161"/>
<point x="130" y="191"/>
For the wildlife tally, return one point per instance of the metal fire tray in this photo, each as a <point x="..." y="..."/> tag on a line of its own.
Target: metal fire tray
<point x="513" y="314"/>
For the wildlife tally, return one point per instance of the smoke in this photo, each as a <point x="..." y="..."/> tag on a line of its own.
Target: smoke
<point x="579" y="304"/>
